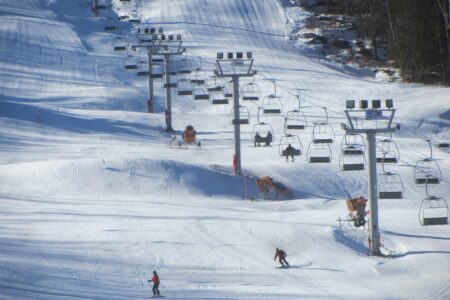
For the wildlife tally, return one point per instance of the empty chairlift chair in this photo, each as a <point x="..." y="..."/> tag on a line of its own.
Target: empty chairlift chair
<point x="319" y="153"/>
<point x="184" y="88"/>
<point x="200" y="92"/>
<point x="243" y="115"/>
<point x="218" y="97"/>
<point x="433" y="211"/>
<point x="130" y="63"/>
<point x="198" y="77"/>
<point x="387" y="151"/>
<point x="120" y="44"/>
<point x="295" y="119"/>
<point x="100" y="4"/>
<point x="250" y="92"/>
<point x="352" y="153"/>
<point x="427" y="170"/>
<point x="111" y="24"/>
<point x="390" y="185"/>
<point x="323" y="133"/>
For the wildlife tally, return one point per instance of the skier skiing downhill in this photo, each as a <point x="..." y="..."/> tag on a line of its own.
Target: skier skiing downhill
<point x="155" y="280"/>
<point x="281" y="257"/>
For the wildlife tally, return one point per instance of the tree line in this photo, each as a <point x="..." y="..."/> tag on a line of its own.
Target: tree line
<point x="415" y="32"/>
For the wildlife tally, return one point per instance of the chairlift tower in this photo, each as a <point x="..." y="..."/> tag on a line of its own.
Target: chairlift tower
<point x="168" y="46"/>
<point x="145" y="35"/>
<point x="375" y="122"/>
<point x="235" y="66"/>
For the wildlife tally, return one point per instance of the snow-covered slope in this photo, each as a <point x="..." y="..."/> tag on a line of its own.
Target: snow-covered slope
<point x="93" y="199"/>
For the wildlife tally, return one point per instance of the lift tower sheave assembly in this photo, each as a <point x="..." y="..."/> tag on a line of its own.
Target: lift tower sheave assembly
<point x="235" y="66"/>
<point x="376" y="120"/>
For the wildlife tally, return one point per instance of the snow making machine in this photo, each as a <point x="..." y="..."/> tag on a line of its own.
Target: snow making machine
<point x="357" y="210"/>
<point x="188" y="138"/>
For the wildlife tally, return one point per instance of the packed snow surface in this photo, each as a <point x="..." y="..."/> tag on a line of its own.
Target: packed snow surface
<point x="93" y="197"/>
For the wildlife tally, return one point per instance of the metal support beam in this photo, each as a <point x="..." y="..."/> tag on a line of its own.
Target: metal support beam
<point x="237" y="125"/>
<point x="150" y="78"/>
<point x="168" y="94"/>
<point x="373" y="195"/>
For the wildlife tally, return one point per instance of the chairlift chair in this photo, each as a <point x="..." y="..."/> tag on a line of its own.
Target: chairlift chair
<point x="100" y="4"/>
<point x="319" y="153"/>
<point x="272" y="104"/>
<point x="244" y="116"/>
<point x="427" y="170"/>
<point x="184" y="88"/>
<point x="250" y="92"/>
<point x="218" y="97"/>
<point x="130" y="63"/>
<point x="213" y="84"/>
<point x="295" y="142"/>
<point x="323" y="133"/>
<point x="352" y="153"/>
<point x="198" y="77"/>
<point x="295" y="119"/>
<point x="200" y="92"/>
<point x="111" y="24"/>
<point x="119" y="44"/>
<point x="142" y="70"/>
<point x="433" y="210"/>
<point x="158" y="71"/>
<point x="262" y="134"/>
<point x="390" y="185"/>
<point x="352" y="162"/>
<point x="387" y="151"/>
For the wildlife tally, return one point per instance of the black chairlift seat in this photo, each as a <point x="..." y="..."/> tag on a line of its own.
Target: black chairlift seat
<point x="219" y="101"/>
<point x="186" y="71"/>
<point x="170" y="85"/>
<point x="157" y="60"/>
<point x="435" y="221"/>
<point x="110" y="28"/>
<point x="263" y="139"/>
<point x="250" y="98"/>
<point x="295" y="152"/>
<point x="134" y="21"/>
<point x="143" y="73"/>
<point x="120" y="48"/>
<point x="390" y="195"/>
<point x="353" y="151"/>
<point x="272" y="110"/>
<point x="352" y="167"/>
<point x="131" y="67"/>
<point x="387" y="160"/>
<point x="320" y="159"/>
<point x="295" y="126"/>
<point x="156" y="75"/>
<point x="322" y="141"/>
<point x="201" y="97"/>
<point x="241" y="121"/>
<point x="444" y="145"/>
<point x="429" y="180"/>
<point x="228" y="95"/>
<point x="198" y="81"/>
<point x="217" y="88"/>
<point x="184" y="93"/>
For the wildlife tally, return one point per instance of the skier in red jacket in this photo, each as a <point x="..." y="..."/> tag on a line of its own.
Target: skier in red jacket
<point x="281" y="257"/>
<point x="155" y="280"/>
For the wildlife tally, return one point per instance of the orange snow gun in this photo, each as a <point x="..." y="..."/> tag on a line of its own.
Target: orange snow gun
<point x="189" y="134"/>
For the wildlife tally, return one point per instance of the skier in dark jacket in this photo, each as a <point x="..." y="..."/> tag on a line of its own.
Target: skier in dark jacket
<point x="281" y="257"/>
<point x="155" y="280"/>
